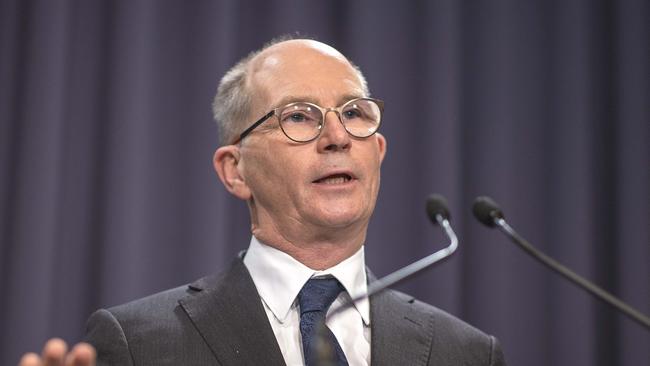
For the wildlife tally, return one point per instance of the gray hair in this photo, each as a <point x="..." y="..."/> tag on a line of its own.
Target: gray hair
<point x="231" y="107"/>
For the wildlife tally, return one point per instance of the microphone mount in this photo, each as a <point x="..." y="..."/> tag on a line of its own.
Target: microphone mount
<point x="438" y="213"/>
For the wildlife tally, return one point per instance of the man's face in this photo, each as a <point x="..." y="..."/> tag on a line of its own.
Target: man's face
<point x="331" y="182"/>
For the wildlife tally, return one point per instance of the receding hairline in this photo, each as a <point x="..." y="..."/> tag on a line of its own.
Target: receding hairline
<point x="311" y="44"/>
<point x="274" y="54"/>
<point x="265" y="56"/>
<point x="230" y="104"/>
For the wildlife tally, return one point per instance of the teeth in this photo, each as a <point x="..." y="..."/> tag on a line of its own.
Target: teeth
<point x="334" y="180"/>
<point x="337" y="180"/>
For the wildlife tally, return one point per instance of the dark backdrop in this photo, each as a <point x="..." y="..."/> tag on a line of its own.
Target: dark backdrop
<point x="107" y="192"/>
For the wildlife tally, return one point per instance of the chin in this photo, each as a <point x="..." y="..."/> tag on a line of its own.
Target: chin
<point x="340" y="219"/>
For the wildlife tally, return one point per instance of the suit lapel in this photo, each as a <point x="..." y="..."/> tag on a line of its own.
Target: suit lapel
<point x="400" y="334"/>
<point x="226" y="309"/>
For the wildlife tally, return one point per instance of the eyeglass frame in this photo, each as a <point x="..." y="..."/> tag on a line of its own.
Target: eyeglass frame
<point x="324" y="111"/>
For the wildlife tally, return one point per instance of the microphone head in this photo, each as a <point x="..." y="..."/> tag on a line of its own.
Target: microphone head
<point x="437" y="205"/>
<point x="487" y="211"/>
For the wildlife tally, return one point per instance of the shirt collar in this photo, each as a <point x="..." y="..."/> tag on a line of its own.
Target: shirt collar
<point x="279" y="278"/>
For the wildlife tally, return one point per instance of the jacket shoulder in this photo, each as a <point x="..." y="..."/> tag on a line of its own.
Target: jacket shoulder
<point x="151" y="306"/>
<point x="152" y="330"/>
<point x="453" y="341"/>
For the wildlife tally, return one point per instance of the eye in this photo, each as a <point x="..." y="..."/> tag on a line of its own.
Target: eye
<point x="352" y="113"/>
<point x="296" y="117"/>
<point x="299" y="114"/>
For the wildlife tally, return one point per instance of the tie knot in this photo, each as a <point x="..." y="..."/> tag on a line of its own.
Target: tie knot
<point x="318" y="294"/>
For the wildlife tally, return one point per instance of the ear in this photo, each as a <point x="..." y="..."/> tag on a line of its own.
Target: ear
<point x="381" y="141"/>
<point x="226" y="162"/>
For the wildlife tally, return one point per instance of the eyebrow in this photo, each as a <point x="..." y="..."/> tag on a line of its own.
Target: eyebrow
<point x="296" y="98"/>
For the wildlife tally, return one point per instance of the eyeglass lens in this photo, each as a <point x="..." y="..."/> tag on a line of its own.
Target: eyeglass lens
<point x="303" y="121"/>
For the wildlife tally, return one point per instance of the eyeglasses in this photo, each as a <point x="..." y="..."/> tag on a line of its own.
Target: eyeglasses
<point x="303" y="121"/>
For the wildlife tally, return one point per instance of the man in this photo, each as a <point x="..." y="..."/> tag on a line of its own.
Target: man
<point x="300" y="146"/>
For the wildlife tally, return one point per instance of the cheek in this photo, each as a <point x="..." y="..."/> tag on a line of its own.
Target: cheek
<point x="266" y="180"/>
<point x="372" y="164"/>
<point x="275" y="175"/>
<point x="374" y="173"/>
<point x="259" y="173"/>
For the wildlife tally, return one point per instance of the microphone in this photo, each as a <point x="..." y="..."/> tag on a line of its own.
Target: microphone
<point x="489" y="213"/>
<point x="438" y="213"/>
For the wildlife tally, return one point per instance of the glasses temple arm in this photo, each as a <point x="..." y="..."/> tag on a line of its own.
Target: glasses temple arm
<point x="252" y="127"/>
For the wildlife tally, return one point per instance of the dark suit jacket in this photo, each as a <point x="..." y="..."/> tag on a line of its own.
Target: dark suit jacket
<point x="220" y="320"/>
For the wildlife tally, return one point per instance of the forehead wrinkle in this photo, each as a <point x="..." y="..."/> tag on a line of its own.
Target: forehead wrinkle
<point x="310" y="99"/>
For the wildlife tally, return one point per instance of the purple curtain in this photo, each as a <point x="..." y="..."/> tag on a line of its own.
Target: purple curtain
<point x="107" y="192"/>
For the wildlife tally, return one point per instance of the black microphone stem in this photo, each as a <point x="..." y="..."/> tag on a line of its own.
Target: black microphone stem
<point x="570" y="275"/>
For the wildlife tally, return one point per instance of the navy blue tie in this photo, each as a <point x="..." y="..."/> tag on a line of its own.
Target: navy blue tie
<point x="315" y="299"/>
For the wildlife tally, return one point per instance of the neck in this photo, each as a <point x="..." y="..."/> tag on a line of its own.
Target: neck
<point x="315" y="250"/>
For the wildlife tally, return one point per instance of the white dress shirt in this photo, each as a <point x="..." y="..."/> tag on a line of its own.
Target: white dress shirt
<point x="279" y="278"/>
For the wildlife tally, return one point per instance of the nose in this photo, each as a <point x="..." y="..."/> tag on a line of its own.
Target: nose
<point x="334" y="137"/>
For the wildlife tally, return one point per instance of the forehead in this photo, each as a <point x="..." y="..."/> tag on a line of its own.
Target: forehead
<point x="306" y="70"/>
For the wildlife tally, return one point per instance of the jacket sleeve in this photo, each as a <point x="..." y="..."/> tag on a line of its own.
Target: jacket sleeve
<point x="105" y="333"/>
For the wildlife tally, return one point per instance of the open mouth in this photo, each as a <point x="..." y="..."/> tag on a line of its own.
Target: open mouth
<point x="334" y="179"/>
